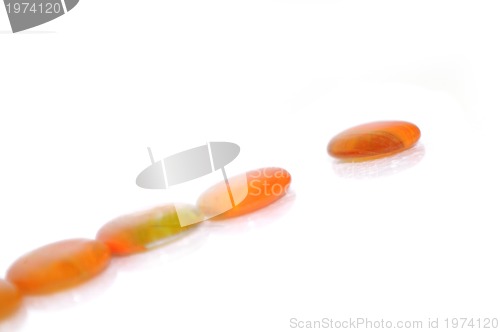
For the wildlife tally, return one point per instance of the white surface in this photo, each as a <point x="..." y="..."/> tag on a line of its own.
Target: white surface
<point x="81" y="102"/>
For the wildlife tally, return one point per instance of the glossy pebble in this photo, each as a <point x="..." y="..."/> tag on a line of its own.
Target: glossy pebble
<point x="374" y="140"/>
<point x="262" y="187"/>
<point x="10" y="299"/>
<point x="58" y="266"/>
<point x="141" y="231"/>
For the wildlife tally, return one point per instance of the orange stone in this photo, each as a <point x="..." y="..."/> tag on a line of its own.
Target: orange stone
<point x="145" y="230"/>
<point x="10" y="299"/>
<point x="374" y="140"/>
<point x="262" y="187"/>
<point x="58" y="266"/>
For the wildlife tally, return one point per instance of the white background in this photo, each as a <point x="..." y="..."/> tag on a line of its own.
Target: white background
<point x="411" y="237"/>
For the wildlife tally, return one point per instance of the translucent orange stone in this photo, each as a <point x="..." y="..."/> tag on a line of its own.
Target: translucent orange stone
<point x="10" y="299"/>
<point x="141" y="231"/>
<point x="264" y="186"/>
<point x="58" y="266"/>
<point x="374" y="140"/>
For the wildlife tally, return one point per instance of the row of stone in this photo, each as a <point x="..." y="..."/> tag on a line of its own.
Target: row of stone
<point x="68" y="263"/>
